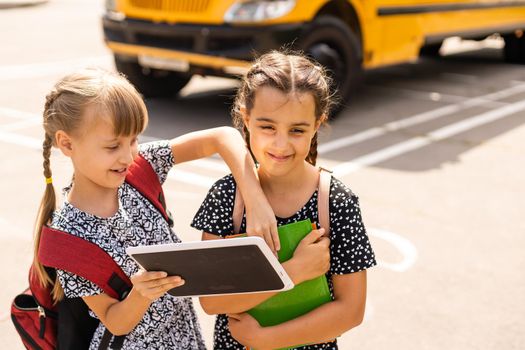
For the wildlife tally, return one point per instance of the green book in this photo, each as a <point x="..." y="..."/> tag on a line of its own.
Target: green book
<point x="304" y="297"/>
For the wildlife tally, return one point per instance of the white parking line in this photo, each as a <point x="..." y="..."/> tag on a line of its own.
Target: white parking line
<point x="430" y="95"/>
<point x="21" y="140"/>
<point x="421" y="141"/>
<point x="213" y="164"/>
<point x="407" y="250"/>
<point x="14" y="113"/>
<point x="192" y="178"/>
<point x="35" y="70"/>
<point x="418" y="119"/>
<point x="22" y="124"/>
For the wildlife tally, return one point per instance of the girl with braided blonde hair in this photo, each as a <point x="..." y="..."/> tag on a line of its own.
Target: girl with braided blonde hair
<point x="280" y="105"/>
<point x="94" y="117"/>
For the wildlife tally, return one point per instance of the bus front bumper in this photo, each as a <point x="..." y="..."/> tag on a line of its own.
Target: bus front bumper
<point x="203" y="49"/>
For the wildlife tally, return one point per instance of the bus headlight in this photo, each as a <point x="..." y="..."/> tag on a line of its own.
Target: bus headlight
<point x="112" y="10"/>
<point x="257" y="10"/>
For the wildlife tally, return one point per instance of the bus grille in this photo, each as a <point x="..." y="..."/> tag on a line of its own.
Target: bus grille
<point x="173" y="6"/>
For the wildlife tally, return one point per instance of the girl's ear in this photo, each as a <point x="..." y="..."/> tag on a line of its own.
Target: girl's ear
<point x="245" y="116"/>
<point x="63" y="142"/>
<point x="319" y="121"/>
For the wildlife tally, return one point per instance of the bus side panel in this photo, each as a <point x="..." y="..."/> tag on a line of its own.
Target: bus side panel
<point x="371" y="32"/>
<point x="476" y="20"/>
<point x="404" y="33"/>
<point x="401" y="39"/>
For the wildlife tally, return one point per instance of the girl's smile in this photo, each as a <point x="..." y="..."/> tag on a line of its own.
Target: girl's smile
<point x="279" y="158"/>
<point x="123" y="172"/>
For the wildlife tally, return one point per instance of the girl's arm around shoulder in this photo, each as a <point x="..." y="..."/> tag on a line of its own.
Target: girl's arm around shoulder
<point x="230" y="145"/>
<point x="202" y="143"/>
<point x="323" y="324"/>
<point x="121" y="317"/>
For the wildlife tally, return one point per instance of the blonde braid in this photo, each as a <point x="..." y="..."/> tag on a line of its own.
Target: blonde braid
<point x="46" y="153"/>
<point x="48" y="203"/>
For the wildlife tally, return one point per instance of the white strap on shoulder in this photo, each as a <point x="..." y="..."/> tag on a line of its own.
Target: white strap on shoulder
<point x="323" y="196"/>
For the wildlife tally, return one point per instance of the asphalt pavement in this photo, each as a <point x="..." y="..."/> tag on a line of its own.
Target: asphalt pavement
<point x="433" y="149"/>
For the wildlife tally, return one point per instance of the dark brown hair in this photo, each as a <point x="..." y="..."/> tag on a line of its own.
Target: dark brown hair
<point x="289" y="72"/>
<point x="64" y="110"/>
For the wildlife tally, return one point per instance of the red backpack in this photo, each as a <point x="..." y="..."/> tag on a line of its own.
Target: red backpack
<point x="42" y="324"/>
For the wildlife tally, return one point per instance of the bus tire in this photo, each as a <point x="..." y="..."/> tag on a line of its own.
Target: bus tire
<point x="334" y="45"/>
<point x="514" y="50"/>
<point x="152" y="82"/>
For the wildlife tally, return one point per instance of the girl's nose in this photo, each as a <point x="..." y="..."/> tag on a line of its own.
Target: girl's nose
<point x="127" y="156"/>
<point x="280" y="140"/>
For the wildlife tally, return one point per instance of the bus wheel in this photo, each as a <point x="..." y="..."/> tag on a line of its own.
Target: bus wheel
<point x="331" y="43"/>
<point x="514" y="50"/>
<point x="152" y="82"/>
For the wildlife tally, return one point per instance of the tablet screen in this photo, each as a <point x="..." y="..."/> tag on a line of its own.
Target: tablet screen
<point x="221" y="270"/>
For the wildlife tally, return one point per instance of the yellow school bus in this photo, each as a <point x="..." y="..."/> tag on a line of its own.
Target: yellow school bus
<point x="160" y="44"/>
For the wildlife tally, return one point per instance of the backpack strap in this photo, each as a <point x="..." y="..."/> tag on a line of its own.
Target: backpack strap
<point x="323" y="196"/>
<point x="323" y="199"/>
<point x="144" y="179"/>
<point x="62" y="250"/>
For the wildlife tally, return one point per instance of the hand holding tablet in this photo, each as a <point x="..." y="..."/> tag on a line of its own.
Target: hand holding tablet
<point x="215" y="267"/>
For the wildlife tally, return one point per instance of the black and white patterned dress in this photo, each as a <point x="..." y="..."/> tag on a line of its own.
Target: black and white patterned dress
<point x="170" y="322"/>
<point x="350" y="249"/>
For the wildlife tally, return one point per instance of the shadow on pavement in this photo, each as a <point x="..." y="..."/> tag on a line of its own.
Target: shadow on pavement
<point x="173" y="117"/>
<point x="387" y="95"/>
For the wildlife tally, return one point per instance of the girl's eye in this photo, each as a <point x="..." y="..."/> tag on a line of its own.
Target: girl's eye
<point x="112" y="148"/>
<point x="297" y="131"/>
<point x="266" y="127"/>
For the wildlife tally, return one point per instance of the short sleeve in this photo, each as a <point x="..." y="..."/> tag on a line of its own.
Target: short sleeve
<point x="350" y="247"/>
<point x="159" y="155"/>
<point x="216" y="211"/>
<point x="75" y="286"/>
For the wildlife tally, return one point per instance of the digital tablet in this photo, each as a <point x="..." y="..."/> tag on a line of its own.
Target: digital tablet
<point x="215" y="267"/>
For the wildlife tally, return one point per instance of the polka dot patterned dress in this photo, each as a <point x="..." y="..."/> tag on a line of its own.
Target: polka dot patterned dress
<point x="350" y="249"/>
